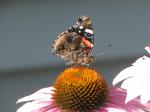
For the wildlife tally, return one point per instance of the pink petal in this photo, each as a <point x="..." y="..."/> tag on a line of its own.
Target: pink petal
<point x="44" y="93"/>
<point x="116" y="103"/>
<point x="54" y="110"/>
<point x="35" y="106"/>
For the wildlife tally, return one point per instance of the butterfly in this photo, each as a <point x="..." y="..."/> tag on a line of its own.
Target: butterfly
<point x="75" y="45"/>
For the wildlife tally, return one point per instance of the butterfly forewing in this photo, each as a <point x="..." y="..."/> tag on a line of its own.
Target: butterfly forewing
<point x="70" y="46"/>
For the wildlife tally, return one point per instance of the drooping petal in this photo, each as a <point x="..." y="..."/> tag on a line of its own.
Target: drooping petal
<point x="31" y="106"/>
<point x="40" y="101"/>
<point x="136" y="79"/>
<point x="145" y="90"/>
<point x="129" y="84"/>
<point x="54" y="110"/>
<point x="116" y="102"/>
<point x="113" y="108"/>
<point x="124" y="74"/>
<point x="44" y="93"/>
<point x="28" y="107"/>
<point x="47" y="108"/>
<point x="141" y="66"/>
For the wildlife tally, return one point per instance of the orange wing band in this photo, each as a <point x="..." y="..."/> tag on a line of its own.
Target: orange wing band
<point x="87" y="43"/>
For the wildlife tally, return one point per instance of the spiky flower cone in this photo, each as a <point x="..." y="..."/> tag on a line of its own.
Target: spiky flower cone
<point x="80" y="89"/>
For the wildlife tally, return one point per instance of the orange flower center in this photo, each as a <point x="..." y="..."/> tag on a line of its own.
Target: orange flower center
<point x="80" y="89"/>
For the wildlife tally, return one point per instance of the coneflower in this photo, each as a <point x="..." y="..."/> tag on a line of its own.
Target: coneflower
<point x="80" y="89"/>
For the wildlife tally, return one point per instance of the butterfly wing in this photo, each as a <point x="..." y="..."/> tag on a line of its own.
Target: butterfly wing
<point x="71" y="46"/>
<point x="65" y="43"/>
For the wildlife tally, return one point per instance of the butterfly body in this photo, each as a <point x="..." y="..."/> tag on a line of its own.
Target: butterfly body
<point x="75" y="45"/>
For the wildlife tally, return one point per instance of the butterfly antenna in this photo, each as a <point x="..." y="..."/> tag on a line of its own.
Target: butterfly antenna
<point x="103" y="52"/>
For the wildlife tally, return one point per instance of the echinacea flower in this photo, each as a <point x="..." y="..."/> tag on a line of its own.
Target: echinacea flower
<point x="80" y="89"/>
<point x="136" y="79"/>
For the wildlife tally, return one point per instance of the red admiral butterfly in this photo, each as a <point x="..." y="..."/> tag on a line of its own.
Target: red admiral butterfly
<point x="75" y="45"/>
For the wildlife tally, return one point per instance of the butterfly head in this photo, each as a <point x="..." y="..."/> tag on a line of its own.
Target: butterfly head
<point x="85" y="21"/>
<point x="84" y="28"/>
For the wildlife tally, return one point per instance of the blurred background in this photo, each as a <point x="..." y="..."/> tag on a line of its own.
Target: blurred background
<point x="29" y="27"/>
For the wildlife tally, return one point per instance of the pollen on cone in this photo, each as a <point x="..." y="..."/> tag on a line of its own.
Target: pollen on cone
<point x="80" y="89"/>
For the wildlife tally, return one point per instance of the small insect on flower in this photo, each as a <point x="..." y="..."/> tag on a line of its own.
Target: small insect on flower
<point x="75" y="45"/>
